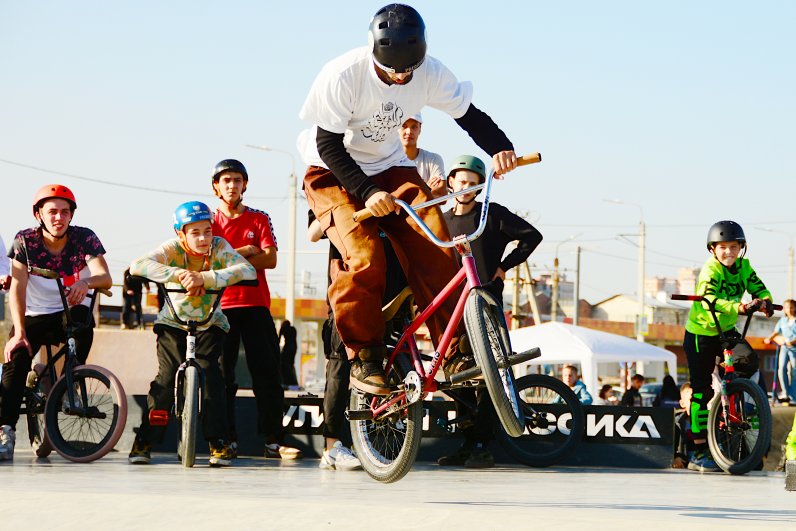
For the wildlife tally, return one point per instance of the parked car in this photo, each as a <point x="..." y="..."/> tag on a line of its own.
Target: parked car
<point x="648" y="393"/>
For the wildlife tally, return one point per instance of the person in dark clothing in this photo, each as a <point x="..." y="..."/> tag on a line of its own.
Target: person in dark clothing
<point x="502" y="228"/>
<point x="336" y="455"/>
<point x="287" y="338"/>
<point x="131" y="300"/>
<point x="669" y="395"/>
<point x="632" y="397"/>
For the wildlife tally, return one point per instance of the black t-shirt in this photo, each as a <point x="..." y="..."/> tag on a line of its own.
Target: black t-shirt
<point x="502" y="228"/>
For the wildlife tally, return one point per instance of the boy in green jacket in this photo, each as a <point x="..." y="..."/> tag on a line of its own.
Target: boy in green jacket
<point x="724" y="278"/>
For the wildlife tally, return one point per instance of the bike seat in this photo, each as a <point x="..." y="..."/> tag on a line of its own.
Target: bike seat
<point x="390" y="310"/>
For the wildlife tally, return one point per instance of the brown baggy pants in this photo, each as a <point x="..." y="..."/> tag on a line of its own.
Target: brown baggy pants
<point x="358" y="280"/>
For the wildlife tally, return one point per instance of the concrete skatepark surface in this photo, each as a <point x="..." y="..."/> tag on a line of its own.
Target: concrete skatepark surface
<point x="258" y="493"/>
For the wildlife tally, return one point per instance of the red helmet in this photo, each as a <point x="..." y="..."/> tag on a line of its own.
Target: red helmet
<point x="53" y="191"/>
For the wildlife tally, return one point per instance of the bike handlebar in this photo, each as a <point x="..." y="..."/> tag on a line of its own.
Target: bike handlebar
<point x="679" y="297"/>
<point x="524" y="160"/>
<point x="53" y="275"/>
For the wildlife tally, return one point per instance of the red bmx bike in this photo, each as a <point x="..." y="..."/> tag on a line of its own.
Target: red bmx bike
<point x="386" y="430"/>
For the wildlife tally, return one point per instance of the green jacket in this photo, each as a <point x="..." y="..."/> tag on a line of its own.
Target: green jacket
<point x="726" y="286"/>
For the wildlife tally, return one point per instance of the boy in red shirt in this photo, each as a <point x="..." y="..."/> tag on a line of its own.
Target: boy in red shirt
<point x="247" y="308"/>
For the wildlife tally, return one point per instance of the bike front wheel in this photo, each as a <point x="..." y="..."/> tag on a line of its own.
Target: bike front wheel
<point x="190" y="416"/>
<point x="387" y="447"/>
<point x="38" y="387"/>
<point x="489" y="337"/>
<point x="740" y="434"/>
<point x="554" y="422"/>
<point x="90" y="427"/>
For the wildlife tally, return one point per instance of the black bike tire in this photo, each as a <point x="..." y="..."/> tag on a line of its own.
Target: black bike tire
<point x="763" y="442"/>
<point x="115" y="427"/>
<point x="190" y="416"/>
<point x="513" y="446"/>
<point x="378" y="466"/>
<point x="37" y="433"/>
<point x="483" y="317"/>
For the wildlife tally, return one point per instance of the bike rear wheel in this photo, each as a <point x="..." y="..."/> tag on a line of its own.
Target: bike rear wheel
<point x="554" y="422"/>
<point x="740" y="436"/>
<point x="38" y="387"/>
<point x="190" y="416"/>
<point x="92" y="431"/>
<point x="489" y="337"/>
<point x="387" y="447"/>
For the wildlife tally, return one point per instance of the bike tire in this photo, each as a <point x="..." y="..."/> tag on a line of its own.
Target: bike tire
<point x="82" y="438"/>
<point x="387" y="448"/>
<point x="190" y="416"/>
<point x="554" y="422"/>
<point x="35" y="402"/>
<point x="738" y="444"/>
<point x="489" y="337"/>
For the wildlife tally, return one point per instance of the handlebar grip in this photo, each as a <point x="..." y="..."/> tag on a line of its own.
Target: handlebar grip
<point x="531" y="158"/>
<point x="104" y="291"/>
<point x="362" y="215"/>
<point x="250" y="283"/>
<point x="777" y="307"/>
<point x="46" y="273"/>
<point x="678" y="297"/>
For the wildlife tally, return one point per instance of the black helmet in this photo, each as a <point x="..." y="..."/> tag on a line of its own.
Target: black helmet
<point x="229" y="165"/>
<point x="398" y="38"/>
<point x="725" y="231"/>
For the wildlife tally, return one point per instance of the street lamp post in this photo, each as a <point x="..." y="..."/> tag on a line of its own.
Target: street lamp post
<point x="642" y="248"/>
<point x="290" y="298"/>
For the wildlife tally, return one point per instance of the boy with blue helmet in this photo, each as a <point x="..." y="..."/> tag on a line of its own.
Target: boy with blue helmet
<point x="195" y="260"/>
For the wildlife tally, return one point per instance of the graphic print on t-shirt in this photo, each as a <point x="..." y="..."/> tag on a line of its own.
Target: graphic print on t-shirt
<point x="383" y="122"/>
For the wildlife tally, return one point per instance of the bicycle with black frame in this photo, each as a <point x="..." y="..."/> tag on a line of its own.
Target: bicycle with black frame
<point x="189" y="382"/>
<point x="82" y="414"/>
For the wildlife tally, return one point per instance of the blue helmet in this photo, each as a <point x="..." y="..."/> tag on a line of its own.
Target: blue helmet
<point x="191" y="212"/>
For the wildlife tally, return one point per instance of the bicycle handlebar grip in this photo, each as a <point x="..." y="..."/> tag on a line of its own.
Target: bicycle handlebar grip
<point x="362" y="215"/>
<point x="46" y="273"/>
<point x="531" y="158"/>
<point x="104" y="291"/>
<point x="677" y="297"/>
<point x="777" y="306"/>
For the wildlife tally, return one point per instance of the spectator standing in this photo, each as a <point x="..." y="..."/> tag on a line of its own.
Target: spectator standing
<point x="5" y="267"/>
<point x="429" y="164"/>
<point x="784" y="335"/>
<point x="502" y="228"/>
<point x="605" y="397"/>
<point x="570" y="376"/>
<point x="132" y="289"/>
<point x="247" y="308"/>
<point x="669" y="395"/>
<point x="632" y="397"/>
<point x="287" y="359"/>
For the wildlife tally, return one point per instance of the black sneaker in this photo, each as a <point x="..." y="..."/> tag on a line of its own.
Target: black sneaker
<point x="141" y="453"/>
<point x="368" y="377"/>
<point x="480" y="457"/>
<point x="457" y="458"/>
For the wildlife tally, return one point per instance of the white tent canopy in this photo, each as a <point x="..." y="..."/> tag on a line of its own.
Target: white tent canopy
<point x="565" y="343"/>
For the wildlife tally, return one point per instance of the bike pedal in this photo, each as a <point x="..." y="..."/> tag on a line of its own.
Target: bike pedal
<point x="359" y="414"/>
<point x="158" y="417"/>
<point x="790" y="475"/>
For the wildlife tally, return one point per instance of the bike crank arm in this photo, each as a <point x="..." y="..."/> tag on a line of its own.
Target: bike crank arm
<point x="514" y="359"/>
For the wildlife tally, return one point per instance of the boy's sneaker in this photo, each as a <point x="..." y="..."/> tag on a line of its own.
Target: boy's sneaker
<point x="368" y="377"/>
<point x="141" y="453"/>
<point x="339" y="458"/>
<point x="280" y="451"/>
<point x="480" y="457"/>
<point x="457" y="458"/>
<point x="702" y="461"/>
<point x="220" y="454"/>
<point x="8" y="437"/>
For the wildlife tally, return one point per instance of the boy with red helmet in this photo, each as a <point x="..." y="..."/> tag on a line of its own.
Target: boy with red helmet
<point x="35" y="302"/>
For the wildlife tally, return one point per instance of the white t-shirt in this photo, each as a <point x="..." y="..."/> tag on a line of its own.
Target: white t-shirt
<point x="348" y="97"/>
<point x="429" y="165"/>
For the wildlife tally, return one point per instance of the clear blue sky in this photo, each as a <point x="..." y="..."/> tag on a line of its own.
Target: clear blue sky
<point x="685" y="108"/>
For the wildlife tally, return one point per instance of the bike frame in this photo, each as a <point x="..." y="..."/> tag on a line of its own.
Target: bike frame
<point x="467" y="274"/>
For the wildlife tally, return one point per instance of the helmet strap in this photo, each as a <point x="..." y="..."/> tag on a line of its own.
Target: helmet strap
<point x="191" y="252"/>
<point x="45" y="229"/>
